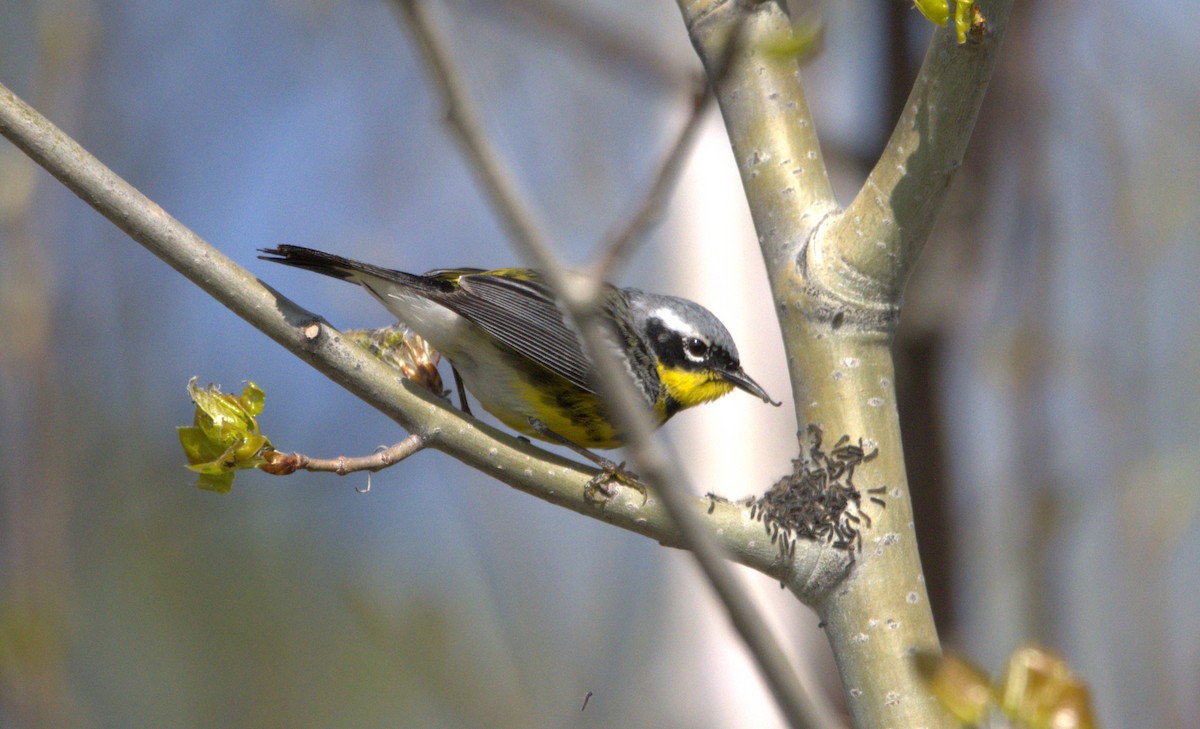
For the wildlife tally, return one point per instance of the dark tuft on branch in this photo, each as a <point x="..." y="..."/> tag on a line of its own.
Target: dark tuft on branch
<point x="818" y="501"/>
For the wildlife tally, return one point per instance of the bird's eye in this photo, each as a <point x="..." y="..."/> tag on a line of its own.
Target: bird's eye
<point x="695" y="349"/>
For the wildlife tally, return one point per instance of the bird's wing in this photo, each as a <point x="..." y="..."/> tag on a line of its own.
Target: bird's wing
<point x="521" y="312"/>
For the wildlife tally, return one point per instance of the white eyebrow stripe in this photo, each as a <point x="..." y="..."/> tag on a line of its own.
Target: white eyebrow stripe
<point x="675" y="323"/>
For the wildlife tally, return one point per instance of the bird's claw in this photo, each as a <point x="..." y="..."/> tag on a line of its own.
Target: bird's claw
<point x="602" y="487"/>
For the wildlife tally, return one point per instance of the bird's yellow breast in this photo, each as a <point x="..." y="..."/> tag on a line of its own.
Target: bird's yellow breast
<point x="567" y="410"/>
<point x="689" y="388"/>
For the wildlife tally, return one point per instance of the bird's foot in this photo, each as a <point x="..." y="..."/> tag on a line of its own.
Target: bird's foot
<point x="602" y="487"/>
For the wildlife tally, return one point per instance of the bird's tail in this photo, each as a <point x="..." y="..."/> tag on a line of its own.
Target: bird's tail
<point x="339" y="267"/>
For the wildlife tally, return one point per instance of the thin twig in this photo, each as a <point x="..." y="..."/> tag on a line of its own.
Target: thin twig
<point x="597" y="39"/>
<point x="617" y="248"/>
<point x="287" y="463"/>
<point x="648" y="214"/>
<point x="501" y="187"/>
<point x="652" y="459"/>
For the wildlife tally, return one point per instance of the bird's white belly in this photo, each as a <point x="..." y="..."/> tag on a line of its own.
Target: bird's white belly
<point x="486" y="370"/>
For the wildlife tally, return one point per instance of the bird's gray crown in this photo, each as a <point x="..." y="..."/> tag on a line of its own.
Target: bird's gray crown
<point x="679" y="316"/>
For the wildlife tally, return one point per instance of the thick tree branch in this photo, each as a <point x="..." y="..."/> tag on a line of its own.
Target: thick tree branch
<point x="766" y="114"/>
<point x="518" y="464"/>
<point x="836" y="279"/>
<point x="857" y="266"/>
<point x="868" y="252"/>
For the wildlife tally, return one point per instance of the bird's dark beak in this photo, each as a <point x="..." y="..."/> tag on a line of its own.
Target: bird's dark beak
<point x="739" y="379"/>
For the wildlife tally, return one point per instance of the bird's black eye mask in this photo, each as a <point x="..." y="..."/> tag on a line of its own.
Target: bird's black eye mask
<point x="686" y="351"/>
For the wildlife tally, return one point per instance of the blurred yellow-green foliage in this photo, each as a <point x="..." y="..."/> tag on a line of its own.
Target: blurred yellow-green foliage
<point x="1037" y="690"/>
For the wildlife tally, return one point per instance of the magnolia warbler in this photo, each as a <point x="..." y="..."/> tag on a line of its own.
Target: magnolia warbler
<point x="516" y="352"/>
